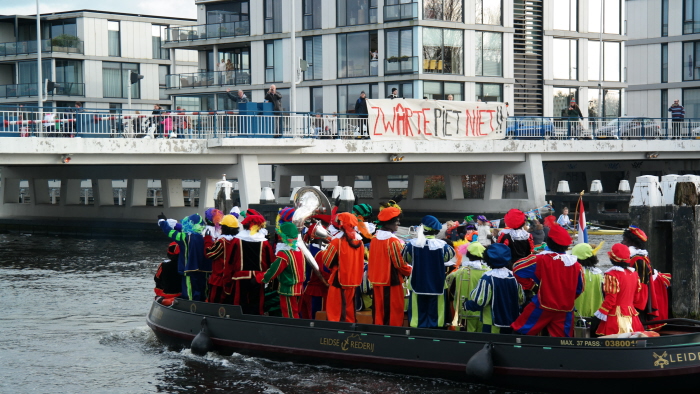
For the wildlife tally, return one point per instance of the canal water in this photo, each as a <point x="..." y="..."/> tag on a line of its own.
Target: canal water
<point x="73" y="321"/>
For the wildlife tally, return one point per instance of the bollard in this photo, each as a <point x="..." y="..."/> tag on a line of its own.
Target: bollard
<point x="623" y="186"/>
<point x="647" y="192"/>
<point x="266" y="196"/>
<point x="686" y="251"/>
<point x="347" y="200"/>
<point x="668" y="188"/>
<point x="224" y="194"/>
<point x="294" y="193"/>
<point x="563" y="187"/>
<point x="596" y="186"/>
<point x="337" y="191"/>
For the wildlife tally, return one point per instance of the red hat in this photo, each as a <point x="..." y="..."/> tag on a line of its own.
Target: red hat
<point x="387" y="214"/>
<point x="515" y="218"/>
<point x="619" y="253"/>
<point x="550" y="221"/>
<point x="638" y="233"/>
<point x="253" y="220"/>
<point x="252" y="211"/>
<point x="559" y="235"/>
<point x="347" y="219"/>
<point x="173" y="248"/>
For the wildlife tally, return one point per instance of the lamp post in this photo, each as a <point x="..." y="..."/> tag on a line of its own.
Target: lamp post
<point x="39" y="81"/>
<point x="293" y="88"/>
<point x="600" y="63"/>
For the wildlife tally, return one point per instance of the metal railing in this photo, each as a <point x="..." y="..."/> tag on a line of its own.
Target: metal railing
<point x="29" y="47"/>
<point x="208" y="31"/>
<point x="207" y="78"/>
<point x="397" y="12"/>
<point x="401" y="65"/>
<point x="30" y="89"/>
<point x="626" y="128"/>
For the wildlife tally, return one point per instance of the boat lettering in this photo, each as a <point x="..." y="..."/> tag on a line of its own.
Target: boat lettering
<point x="665" y="359"/>
<point x="352" y="342"/>
<point x="579" y="342"/>
<point x="620" y="343"/>
<point x="330" y="342"/>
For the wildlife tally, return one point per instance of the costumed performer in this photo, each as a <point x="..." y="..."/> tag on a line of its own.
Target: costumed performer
<point x="558" y="278"/>
<point x="592" y="297"/>
<point x="635" y="239"/>
<point x="483" y="227"/>
<point x="427" y="257"/>
<point x="219" y="252"/>
<point x="461" y="282"/>
<point x="168" y="280"/>
<point x="515" y="237"/>
<point x="251" y="253"/>
<point x="498" y="295"/>
<point x="660" y="283"/>
<point x="212" y="217"/>
<point x="365" y="227"/>
<point x="314" y="298"/>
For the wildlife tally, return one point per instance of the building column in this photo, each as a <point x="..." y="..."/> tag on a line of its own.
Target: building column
<point x="10" y="190"/>
<point x="137" y="192"/>
<point x="102" y="192"/>
<point x="416" y="186"/>
<point x="207" y="192"/>
<point x="284" y="188"/>
<point x="249" y="180"/>
<point x="40" y="192"/>
<point x="70" y="192"/>
<point x="453" y="187"/>
<point x="380" y="187"/>
<point x="493" y="190"/>
<point x="534" y="178"/>
<point x="172" y="193"/>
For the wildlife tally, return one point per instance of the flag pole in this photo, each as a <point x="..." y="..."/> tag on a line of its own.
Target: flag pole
<point x="576" y="216"/>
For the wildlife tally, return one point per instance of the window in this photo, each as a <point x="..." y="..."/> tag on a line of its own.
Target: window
<point x="56" y="28"/>
<point x="316" y="100"/>
<point x="489" y="92"/>
<point x="610" y="16"/>
<point x="691" y="16"/>
<point x="114" y="44"/>
<point x="115" y="108"/>
<point x="356" y="12"/>
<point x="204" y="102"/>
<point x="227" y="12"/>
<point x="348" y="95"/>
<point x="313" y="54"/>
<point x="158" y="33"/>
<point x="69" y="75"/>
<point x="273" y="61"/>
<point x="225" y="103"/>
<point x="240" y="63"/>
<point x="488" y="12"/>
<point x="440" y="90"/>
<point x="565" y="66"/>
<point x="163" y="72"/>
<point x="691" y="103"/>
<point x="664" y="103"/>
<point x="611" y="61"/>
<point x="561" y="100"/>
<point x="399" y="57"/>
<point x="611" y="103"/>
<point x="565" y="15"/>
<point x="664" y="63"/>
<point x="28" y="75"/>
<point x="664" y="18"/>
<point x="405" y="89"/>
<point x="489" y="54"/>
<point x="357" y="54"/>
<point x="312" y="14"/>
<point x="115" y="80"/>
<point x="442" y="51"/>
<point x="691" y="64"/>
<point x="273" y="16"/>
<point x="396" y="10"/>
<point x="443" y="10"/>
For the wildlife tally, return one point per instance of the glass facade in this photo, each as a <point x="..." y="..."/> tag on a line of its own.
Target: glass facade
<point x="443" y="51"/>
<point x="115" y="80"/>
<point x="113" y="39"/>
<point x="443" y="10"/>
<point x="227" y="12"/>
<point x="664" y="18"/>
<point x="357" y="54"/>
<point x="489" y="92"/>
<point x="356" y="12"/>
<point x="664" y="63"/>
<point x="691" y="64"/>
<point x="69" y="75"/>
<point x="163" y="71"/>
<point x="489" y="54"/>
<point x="57" y="28"/>
<point x="405" y="89"/>
<point x="399" y="51"/>
<point x="312" y="14"/>
<point x="691" y="103"/>
<point x="158" y="34"/>
<point x="348" y="95"/>
<point x="610" y="16"/>
<point x="611" y="61"/>
<point x="435" y="90"/>
<point x="691" y="16"/>
<point x="664" y="104"/>
<point x="561" y="99"/>
<point x="274" y="61"/>
<point x="611" y="103"/>
<point x="565" y="63"/>
<point x="488" y="12"/>
<point x="566" y="15"/>
<point x="316" y="99"/>
<point x="313" y="54"/>
<point x="273" y="16"/>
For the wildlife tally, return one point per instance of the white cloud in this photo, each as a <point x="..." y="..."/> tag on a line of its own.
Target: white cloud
<point x="171" y="8"/>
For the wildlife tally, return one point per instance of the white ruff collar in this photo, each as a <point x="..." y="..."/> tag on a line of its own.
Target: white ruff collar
<point x="477" y="264"/>
<point x="282" y="246"/>
<point x="567" y="259"/>
<point x="501" y="273"/>
<point x="383" y="235"/>
<point x="637" y="252"/>
<point x="340" y="234"/>
<point x="618" y="268"/>
<point x="244" y="235"/>
<point x="227" y="237"/>
<point x="594" y="270"/>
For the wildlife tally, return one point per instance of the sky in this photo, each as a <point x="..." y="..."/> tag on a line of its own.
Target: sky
<point x="172" y="8"/>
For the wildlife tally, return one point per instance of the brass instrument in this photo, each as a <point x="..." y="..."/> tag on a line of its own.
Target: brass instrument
<point x="309" y="201"/>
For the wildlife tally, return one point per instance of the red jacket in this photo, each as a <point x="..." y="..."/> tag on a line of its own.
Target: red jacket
<point x="558" y="276"/>
<point x="622" y="289"/>
<point x="219" y="252"/>
<point x="347" y="264"/>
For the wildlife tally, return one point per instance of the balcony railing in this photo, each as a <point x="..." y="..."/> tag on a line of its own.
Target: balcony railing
<point x="628" y="128"/>
<point x="401" y="65"/>
<point x="47" y="46"/>
<point x="207" y="78"/>
<point x="208" y="32"/>
<point x="398" y="12"/>
<point x="30" y="89"/>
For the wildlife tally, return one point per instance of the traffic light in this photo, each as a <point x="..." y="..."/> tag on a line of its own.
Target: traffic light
<point x="303" y="65"/>
<point x="135" y="77"/>
<point x="50" y="86"/>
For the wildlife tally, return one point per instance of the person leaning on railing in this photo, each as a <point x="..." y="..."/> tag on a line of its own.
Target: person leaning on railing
<point x="677" y="117"/>
<point x="275" y="98"/>
<point x="574" y="112"/>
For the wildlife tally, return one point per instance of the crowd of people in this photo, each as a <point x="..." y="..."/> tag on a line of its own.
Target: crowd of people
<point x="460" y="275"/>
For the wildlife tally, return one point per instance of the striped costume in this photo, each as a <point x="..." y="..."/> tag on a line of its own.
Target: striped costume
<point x="617" y="314"/>
<point x="289" y="266"/>
<point x="499" y="296"/>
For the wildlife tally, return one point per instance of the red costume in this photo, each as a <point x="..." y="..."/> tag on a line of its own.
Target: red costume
<point x="251" y="253"/>
<point x="518" y="240"/>
<point x="660" y="283"/>
<point x="220" y="280"/>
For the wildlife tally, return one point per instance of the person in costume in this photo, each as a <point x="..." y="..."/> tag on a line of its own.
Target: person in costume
<point x="635" y="239"/>
<point x="498" y="295"/>
<point x="168" y="280"/>
<point x="345" y="258"/>
<point x="365" y="227"/>
<point x="251" y="253"/>
<point x="461" y="282"/>
<point x="483" y="227"/>
<point x="219" y="252"/>
<point x="592" y="297"/>
<point x="515" y="237"/>
<point x="427" y="256"/>
<point x="212" y="217"/>
<point x="621" y="287"/>
<point x="387" y="269"/>
<point x="290" y="267"/>
<point x="558" y="279"/>
<point x="660" y="283"/>
<point x="314" y="298"/>
<point x="192" y="264"/>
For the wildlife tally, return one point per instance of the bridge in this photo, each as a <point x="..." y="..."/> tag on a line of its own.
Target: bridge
<point x="49" y="161"/>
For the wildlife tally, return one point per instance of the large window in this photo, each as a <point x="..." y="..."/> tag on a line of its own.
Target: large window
<point x="158" y="32"/>
<point x="611" y="103"/>
<point x="611" y="61"/>
<point x="312" y="14"/>
<point x="356" y="12"/>
<point x="313" y="54"/>
<point x="561" y="100"/>
<point x="357" y="54"/>
<point x="115" y="80"/>
<point x="489" y="54"/>
<point x="691" y="103"/>
<point x="442" y="51"/>
<point x="58" y="28"/>
<point x="405" y="89"/>
<point x="433" y="90"/>
<point x="443" y="10"/>
<point x="236" y="59"/>
<point x="69" y="75"/>
<point x="664" y="18"/>
<point x="232" y="15"/>
<point x="489" y="92"/>
<point x="488" y="12"/>
<point x="565" y="15"/>
<point x="348" y="95"/>
<point x="664" y="104"/>
<point x="273" y="16"/>
<point x="113" y="40"/>
<point x="565" y="63"/>
<point x="691" y="16"/>
<point x="611" y="16"/>
<point x="27" y="72"/>
<point x="316" y="99"/>
<point x="163" y="72"/>
<point x="691" y="62"/>
<point x="274" y="61"/>
<point x="396" y="10"/>
<point x="664" y="63"/>
<point x="399" y="52"/>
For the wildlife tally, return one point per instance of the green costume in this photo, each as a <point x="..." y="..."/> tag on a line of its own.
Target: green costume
<point x="592" y="297"/>
<point x="460" y="284"/>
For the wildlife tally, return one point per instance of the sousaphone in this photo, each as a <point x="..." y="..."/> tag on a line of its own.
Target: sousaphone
<point x="309" y="201"/>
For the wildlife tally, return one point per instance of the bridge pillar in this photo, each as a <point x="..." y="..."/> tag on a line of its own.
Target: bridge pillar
<point x="172" y="193"/>
<point x="284" y="188"/>
<point x="493" y="190"/>
<point x="10" y="189"/>
<point x="313" y="180"/>
<point x="137" y="192"/>
<point x="207" y="191"/>
<point x="380" y="187"/>
<point x="102" y="192"/>
<point x="40" y="193"/>
<point x="453" y="187"/>
<point x="249" y="180"/>
<point x="70" y="192"/>
<point x="534" y="178"/>
<point x="416" y="186"/>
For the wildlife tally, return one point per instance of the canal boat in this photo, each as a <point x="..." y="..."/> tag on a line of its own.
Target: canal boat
<point x="665" y="363"/>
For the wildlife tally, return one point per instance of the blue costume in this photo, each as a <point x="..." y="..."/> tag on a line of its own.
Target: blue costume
<point x="192" y="264"/>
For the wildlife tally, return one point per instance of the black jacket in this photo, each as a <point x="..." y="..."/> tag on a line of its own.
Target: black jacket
<point x="361" y="106"/>
<point x="275" y="99"/>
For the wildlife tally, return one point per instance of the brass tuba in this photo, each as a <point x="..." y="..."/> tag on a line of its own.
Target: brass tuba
<point x="310" y="201"/>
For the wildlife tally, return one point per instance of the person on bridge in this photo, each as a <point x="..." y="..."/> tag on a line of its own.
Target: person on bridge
<point x="677" y="118"/>
<point x="635" y="239"/>
<point x="275" y="98"/>
<point x="218" y="250"/>
<point x="251" y="254"/>
<point x="558" y="279"/>
<point x="361" y="111"/>
<point x="239" y="97"/>
<point x="515" y="237"/>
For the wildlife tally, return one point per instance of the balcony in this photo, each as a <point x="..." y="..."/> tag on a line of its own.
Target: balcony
<point x="207" y="78"/>
<point x="399" y="12"/>
<point x="30" y="89"/>
<point x="208" y="32"/>
<point x="58" y="44"/>
<point x="401" y="65"/>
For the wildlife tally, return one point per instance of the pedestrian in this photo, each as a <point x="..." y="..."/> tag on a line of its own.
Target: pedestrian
<point x="275" y="98"/>
<point x="574" y="114"/>
<point x="229" y="72"/>
<point x="180" y="123"/>
<point x="361" y="111"/>
<point x="394" y="94"/>
<point x="167" y="123"/>
<point x="156" y="121"/>
<point x="677" y="118"/>
<point x="239" y="97"/>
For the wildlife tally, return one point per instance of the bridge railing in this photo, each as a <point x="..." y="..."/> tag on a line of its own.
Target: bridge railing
<point x="623" y="128"/>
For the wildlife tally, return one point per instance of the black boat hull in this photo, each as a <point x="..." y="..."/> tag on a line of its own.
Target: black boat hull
<point x="665" y="363"/>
